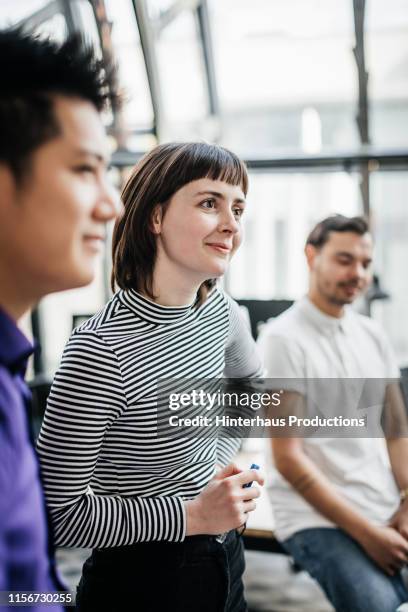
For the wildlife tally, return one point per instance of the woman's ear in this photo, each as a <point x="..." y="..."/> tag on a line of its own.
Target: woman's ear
<point x="156" y="219"/>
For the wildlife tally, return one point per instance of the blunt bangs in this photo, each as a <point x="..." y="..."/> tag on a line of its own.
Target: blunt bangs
<point x="154" y="180"/>
<point x="192" y="161"/>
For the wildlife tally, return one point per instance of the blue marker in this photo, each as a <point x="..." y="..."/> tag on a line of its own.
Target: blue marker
<point x="249" y="484"/>
<point x="221" y="537"/>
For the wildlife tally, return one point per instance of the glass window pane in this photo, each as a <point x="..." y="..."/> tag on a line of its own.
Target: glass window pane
<point x="276" y="61"/>
<point x="387" y="52"/>
<point x="137" y="110"/>
<point x="156" y="8"/>
<point x="12" y="12"/>
<point x="389" y="195"/>
<point x="55" y="28"/>
<point x="89" y="26"/>
<point x="281" y="210"/>
<point x="182" y="76"/>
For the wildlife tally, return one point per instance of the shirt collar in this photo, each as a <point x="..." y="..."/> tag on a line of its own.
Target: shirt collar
<point x="153" y="312"/>
<point x="15" y="348"/>
<point x="323" y="321"/>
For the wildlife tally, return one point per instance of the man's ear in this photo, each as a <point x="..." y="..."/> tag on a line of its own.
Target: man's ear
<point x="8" y="187"/>
<point x="311" y="254"/>
<point x="156" y="219"/>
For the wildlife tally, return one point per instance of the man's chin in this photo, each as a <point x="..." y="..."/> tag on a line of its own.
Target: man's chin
<point x="81" y="276"/>
<point x="347" y="299"/>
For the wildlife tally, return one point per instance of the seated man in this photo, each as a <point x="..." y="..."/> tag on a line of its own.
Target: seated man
<point x="55" y="199"/>
<point x="340" y="504"/>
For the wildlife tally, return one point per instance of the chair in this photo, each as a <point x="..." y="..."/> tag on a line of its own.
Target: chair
<point x="262" y="310"/>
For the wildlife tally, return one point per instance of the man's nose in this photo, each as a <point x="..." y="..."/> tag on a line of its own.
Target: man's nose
<point x="110" y="205"/>
<point x="360" y="271"/>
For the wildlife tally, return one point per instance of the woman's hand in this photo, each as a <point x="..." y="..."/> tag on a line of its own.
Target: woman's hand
<point x="224" y="503"/>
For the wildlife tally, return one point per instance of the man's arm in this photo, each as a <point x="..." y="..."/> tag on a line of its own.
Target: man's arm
<point x="308" y="480"/>
<point x="383" y="544"/>
<point x="396" y="432"/>
<point x="285" y="358"/>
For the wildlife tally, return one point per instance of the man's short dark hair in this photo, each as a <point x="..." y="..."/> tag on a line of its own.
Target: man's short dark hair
<point x="33" y="70"/>
<point x="336" y="223"/>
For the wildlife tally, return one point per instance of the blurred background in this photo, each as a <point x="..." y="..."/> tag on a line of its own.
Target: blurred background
<point x="312" y="94"/>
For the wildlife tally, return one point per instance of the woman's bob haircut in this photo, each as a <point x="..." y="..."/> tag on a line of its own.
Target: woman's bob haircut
<point x="154" y="180"/>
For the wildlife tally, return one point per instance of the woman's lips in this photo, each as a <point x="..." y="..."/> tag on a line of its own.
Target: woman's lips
<point x="220" y="248"/>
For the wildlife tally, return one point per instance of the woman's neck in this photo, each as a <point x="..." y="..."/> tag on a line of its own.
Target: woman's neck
<point x="173" y="297"/>
<point x="172" y="287"/>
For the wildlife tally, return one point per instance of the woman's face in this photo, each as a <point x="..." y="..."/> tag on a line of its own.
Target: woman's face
<point x="201" y="229"/>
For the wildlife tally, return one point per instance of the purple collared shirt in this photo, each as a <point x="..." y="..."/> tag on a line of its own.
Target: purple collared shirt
<point x="25" y="563"/>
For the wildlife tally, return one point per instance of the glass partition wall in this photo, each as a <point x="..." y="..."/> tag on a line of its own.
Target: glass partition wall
<point x="313" y="94"/>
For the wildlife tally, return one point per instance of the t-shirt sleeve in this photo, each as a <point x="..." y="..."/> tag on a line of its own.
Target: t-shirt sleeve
<point x="390" y="359"/>
<point x="284" y="359"/>
<point x="242" y="359"/>
<point x="86" y="397"/>
<point x="383" y="345"/>
<point x="282" y="356"/>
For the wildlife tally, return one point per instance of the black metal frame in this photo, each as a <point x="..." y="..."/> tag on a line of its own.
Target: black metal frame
<point x="149" y="31"/>
<point x="362" y="114"/>
<point x="147" y="40"/>
<point x="363" y="161"/>
<point x="374" y="158"/>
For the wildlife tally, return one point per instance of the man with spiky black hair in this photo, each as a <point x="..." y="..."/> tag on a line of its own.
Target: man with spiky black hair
<point x="55" y="200"/>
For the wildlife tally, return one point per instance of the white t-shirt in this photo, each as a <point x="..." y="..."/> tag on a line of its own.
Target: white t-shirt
<point x="304" y="343"/>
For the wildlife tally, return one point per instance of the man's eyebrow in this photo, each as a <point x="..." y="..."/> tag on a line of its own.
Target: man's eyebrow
<point x="351" y="256"/>
<point x="217" y="194"/>
<point x="100" y="157"/>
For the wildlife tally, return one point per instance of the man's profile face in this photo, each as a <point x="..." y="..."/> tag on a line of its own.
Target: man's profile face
<point x="52" y="225"/>
<point x="341" y="268"/>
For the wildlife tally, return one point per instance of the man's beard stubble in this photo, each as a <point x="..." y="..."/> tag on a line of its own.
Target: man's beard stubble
<point x="336" y="300"/>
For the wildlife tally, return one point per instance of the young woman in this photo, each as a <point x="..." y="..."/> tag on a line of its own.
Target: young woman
<point x="149" y="506"/>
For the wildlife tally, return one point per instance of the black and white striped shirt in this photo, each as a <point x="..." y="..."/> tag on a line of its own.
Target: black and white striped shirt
<point x="109" y="480"/>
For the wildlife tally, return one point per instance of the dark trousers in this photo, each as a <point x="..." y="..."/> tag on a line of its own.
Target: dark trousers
<point x="197" y="575"/>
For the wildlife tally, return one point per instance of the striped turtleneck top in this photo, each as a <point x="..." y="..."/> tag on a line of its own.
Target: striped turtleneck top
<point x="108" y="478"/>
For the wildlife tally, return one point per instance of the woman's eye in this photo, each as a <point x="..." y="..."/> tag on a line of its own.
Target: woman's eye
<point x="208" y="204"/>
<point x="238" y="212"/>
